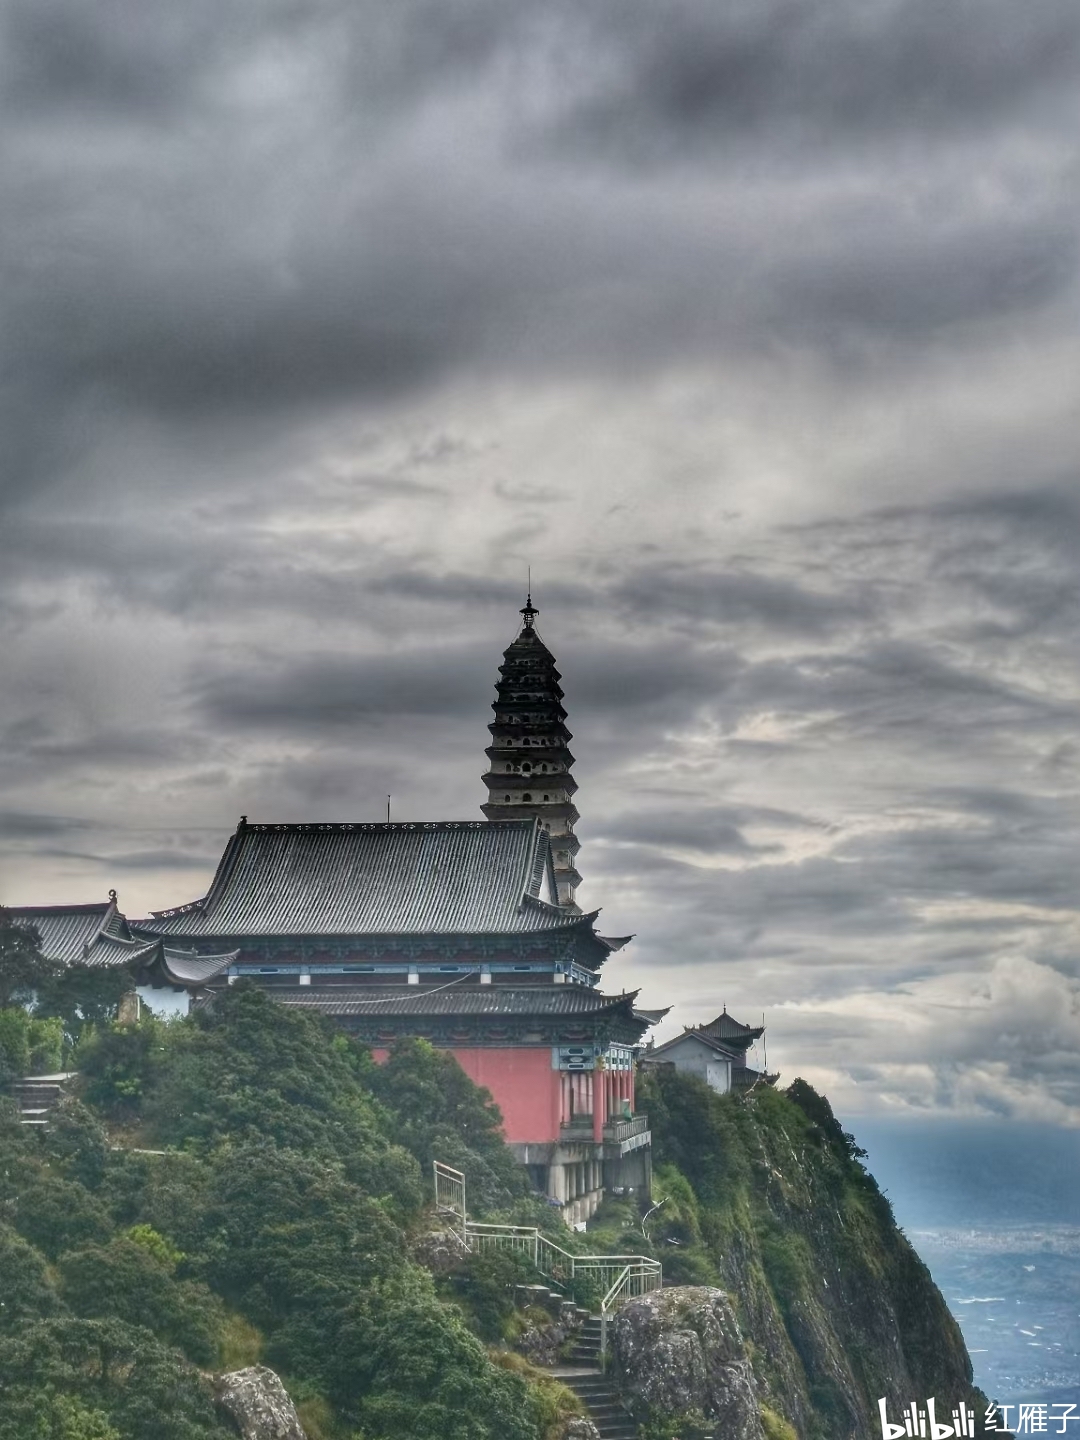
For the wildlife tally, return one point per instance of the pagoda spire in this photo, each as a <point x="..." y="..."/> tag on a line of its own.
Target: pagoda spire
<point x="529" y="758"/>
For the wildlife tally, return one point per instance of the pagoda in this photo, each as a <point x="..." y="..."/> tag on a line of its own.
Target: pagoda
<point x="529" y="756"/>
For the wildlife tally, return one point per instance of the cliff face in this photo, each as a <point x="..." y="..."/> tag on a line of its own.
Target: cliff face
<point x="679" y="1353"/>
<point x="765" y="1197"/>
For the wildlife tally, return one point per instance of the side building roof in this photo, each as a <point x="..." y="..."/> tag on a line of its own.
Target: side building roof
<point x="98" y="936"/>
<point x="70" y="933"/>
<point x="441" y="877"/>
<point x="698" y="1038"/>
<point x="726" y="1027"/>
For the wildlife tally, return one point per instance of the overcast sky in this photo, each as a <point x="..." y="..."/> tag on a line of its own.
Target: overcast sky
<point x="752" y="327"/>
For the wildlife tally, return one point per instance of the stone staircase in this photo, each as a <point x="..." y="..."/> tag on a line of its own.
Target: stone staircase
<point x="36" y="1095"/>
<point x="600" y="1399"/>
<point x="582" y="1373"/>
<point x="581" y="1370"/>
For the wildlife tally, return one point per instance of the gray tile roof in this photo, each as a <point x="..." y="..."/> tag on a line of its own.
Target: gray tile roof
<point x="187" y="968"/>
<point x="726" y="1027"/>
<point x="447" y="877"/>
<point x="709" y="1041"/>
<point x="447" y="1000"/>
<point x="67" y="932"/>
<point x="98" y="936"/>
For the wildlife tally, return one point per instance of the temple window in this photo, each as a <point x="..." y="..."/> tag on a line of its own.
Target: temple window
<point x="526" y="796"/>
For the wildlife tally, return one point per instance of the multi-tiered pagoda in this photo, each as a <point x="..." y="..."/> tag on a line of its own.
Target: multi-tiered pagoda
<point x="530" y="759"/>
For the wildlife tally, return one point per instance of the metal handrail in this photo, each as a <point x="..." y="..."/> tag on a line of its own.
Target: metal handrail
<point x="649" y="1274"/>
<point x="633" y="1274"/>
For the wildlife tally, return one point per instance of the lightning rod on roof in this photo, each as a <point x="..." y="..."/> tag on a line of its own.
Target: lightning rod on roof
<point x="388" y="809"/>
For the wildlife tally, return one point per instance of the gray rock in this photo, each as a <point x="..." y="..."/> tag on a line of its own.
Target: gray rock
<point x="580" y="1429"/>
<point x="542" y="1344"/>
<point x="258" y="1404"/>
<point x="439" y="1250"/>
<point x="680" y="1350"/>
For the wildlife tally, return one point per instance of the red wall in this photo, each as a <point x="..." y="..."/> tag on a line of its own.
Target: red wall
<point x="524" y="1086"/>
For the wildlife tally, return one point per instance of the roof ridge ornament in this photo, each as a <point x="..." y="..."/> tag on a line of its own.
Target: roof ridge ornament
<point x="528" y="610"/>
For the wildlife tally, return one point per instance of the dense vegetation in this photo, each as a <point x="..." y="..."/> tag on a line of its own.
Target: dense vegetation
<point x="765" y="1196"/>
<point x="274" y="1225"/>
<point x="247" y="1185"/>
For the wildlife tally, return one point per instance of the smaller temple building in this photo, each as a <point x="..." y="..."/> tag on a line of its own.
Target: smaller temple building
<point x="715" y="1052"/>
<point x="98" y="935"/>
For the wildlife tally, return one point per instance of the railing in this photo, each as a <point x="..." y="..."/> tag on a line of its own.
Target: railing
<point x="626" y="1129"/>
<point x="640" y="1273"/>
<point x="450" y="1195"/>
<point x="579" y="1128"/>
<point x="625" y="1276"/>
<point x="639" y="1277"/>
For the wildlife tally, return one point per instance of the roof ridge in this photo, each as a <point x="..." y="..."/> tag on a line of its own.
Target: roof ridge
<point x="88" y="907"/>
<point x="345" y="826"/>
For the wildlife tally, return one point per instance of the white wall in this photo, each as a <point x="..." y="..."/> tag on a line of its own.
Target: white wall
<point x="164" y="1001"/>
<point x="691" y="1057"/>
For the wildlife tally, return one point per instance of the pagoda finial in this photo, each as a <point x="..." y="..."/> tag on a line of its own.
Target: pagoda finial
<point x="529" y="610"/>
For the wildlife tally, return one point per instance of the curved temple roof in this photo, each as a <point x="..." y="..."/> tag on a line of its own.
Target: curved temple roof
<point x="489" y="1000"/>
<point x="99" y="937"/>
<point x="444" y="877"/>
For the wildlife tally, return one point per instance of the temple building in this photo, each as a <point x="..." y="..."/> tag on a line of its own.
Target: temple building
<point x="164" y="978"/>
<point x="715" y="1052"/>
<point x="466" y="933"/>
<point x="449" y="930"/>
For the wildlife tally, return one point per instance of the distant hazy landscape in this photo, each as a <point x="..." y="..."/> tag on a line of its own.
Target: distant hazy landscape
<point x="994" y="1210"/>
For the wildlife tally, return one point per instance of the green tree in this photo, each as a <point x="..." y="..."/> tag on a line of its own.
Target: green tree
<point x="45" y="1415"/>
<point x="79" y="997"/>
<point x="26" y="1292"/>
<point x="14" y="1044"/>
<point x="23" y="968"/>
<point x="439" y="1114"/>
<point x="115" y="1377"/>
<point x="56" y="1214"/>
<point x="128" y="1281"/>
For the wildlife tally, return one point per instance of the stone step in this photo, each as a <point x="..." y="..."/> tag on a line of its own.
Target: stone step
<point x="601" y="1400"/>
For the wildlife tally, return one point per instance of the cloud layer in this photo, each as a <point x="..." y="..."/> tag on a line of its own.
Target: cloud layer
<point x="753" y="330"/>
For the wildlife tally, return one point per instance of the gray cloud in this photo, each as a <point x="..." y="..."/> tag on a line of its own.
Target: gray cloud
<point x="235" y="215"/>
<point x="690" y="74"/>
<point x="751" y="329"/>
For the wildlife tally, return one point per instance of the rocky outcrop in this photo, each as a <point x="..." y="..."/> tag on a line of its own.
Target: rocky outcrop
<point x="580" y="1429"/>
<point x="680" y="1351"/>
<point x="258" y="1404"/>
<point x="440" y="1249"/>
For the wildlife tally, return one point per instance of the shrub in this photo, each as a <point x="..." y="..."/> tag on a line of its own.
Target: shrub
<point x="126" y="1280"/>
